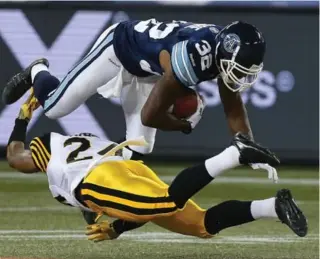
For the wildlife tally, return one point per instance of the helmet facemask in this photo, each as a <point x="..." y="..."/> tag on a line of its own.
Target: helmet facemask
<point x="235" y="76"/>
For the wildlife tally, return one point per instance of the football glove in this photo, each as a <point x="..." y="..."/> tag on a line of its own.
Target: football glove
<point x="253" y="153"/>
<point x="101" y="231"/>
<point x="196" y="117"/>
<point x="29" y="106"/>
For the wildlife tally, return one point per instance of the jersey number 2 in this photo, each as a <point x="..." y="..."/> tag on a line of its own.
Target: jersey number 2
<point x="84" y="145"/>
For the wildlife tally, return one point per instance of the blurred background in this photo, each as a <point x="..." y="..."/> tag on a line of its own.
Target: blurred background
<point x="282" y="105"/>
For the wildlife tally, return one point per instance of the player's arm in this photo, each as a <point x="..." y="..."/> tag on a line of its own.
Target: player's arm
<point x="166" y="90"/>
<point x="188" y="64"/>
<point x="17" y="156"/>
<point x="235" y="110"/>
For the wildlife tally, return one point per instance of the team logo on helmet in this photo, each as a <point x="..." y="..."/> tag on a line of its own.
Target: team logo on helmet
<point x="231" y="42"/>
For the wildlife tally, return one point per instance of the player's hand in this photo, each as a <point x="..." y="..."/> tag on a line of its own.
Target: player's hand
<point x="101" y="231"/>
<point x="29" y="106"/>
<point x="196" y="117"/>
<point x="272" y="172"/>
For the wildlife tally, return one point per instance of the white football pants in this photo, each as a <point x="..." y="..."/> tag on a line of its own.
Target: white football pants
<point x="101" y="71"/>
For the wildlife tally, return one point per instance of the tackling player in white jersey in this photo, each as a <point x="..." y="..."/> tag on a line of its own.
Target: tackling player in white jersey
<point x="97" y="176"/>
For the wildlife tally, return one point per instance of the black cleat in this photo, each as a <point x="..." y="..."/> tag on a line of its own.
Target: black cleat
<point x="290" y="214"/>
<point x="251" y="152"/>
<point x="20" y="83"/>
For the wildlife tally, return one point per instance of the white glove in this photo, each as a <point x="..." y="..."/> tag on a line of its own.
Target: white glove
<point x="272" y="172"/>
<point x="195" y="118"/>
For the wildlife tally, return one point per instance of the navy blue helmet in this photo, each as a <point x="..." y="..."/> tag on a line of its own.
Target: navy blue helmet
<point x="239" y="55"/>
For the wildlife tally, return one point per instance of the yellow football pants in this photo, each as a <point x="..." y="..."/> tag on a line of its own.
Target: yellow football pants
<point x="131" y="191"/>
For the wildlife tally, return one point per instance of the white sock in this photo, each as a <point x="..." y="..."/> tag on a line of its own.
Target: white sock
<point x="36" y="69"/>
<point x="227" y="159"/>
<point x="264" y="208"/>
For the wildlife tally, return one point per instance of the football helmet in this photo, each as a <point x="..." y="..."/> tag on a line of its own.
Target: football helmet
<point x="240" y="49"/>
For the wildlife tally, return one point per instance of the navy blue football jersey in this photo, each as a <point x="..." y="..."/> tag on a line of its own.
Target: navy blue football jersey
<point x="138" y="44"/>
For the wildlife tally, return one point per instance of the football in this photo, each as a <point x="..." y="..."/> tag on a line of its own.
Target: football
<point x="186" y="105"/>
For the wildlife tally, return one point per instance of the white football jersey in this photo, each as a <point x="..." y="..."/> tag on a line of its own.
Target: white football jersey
<point x="68" y="159"/>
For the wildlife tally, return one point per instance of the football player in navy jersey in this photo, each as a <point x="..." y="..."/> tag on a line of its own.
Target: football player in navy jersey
<point x="149" y="64"/>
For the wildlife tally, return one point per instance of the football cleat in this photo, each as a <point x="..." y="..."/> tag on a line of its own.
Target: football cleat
<point x="251" y="152"/>
<point x="290" y="214"/>
<point x="20" y="83"/>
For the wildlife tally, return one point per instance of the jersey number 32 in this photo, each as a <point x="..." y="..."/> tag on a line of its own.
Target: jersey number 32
<point x="157" y="30"/>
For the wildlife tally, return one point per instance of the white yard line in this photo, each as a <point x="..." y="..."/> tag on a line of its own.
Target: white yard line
<point x="38" y="231"/>
<point x="169" y="178"/>
<point x="153" y="237"/>
<point x="37" y="209"/>
<point x="253" y="180"/>
<point x="17" y="175"/>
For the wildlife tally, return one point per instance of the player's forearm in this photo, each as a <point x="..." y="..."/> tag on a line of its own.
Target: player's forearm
<point x="17" y="157"/>
<point x="155" y="113"/>
<point x="235" y="110"/>
<point x="18" y="135"/>
<point x="240" y="123"/>
<point x="15" y="147"/>
<point x="167" y="122"/>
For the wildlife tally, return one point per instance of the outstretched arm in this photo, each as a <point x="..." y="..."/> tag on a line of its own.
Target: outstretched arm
<point x="18" y="157"/>
<point x="235" y="111"/>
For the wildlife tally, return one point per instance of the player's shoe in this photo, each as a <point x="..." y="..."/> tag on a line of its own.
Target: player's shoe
<point x="290" y="214"/>
<point x="251" y="152"/>
<point x="20" y="83"/>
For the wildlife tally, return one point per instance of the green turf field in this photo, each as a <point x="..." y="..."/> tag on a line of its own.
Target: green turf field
<point x="33" y="225"/>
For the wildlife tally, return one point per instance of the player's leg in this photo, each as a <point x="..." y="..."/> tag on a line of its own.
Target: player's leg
<point x="194" y="221"/>
<point x="230" y="213"/>
<point x="233" y="213"/>
<point x="133" y="99"/>
<point x="58" y="99"/>
<point x="189" y="221"/>
<point x="115" y="188"/>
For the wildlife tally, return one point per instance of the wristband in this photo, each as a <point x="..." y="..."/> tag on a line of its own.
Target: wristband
<point x="19" y="131"/>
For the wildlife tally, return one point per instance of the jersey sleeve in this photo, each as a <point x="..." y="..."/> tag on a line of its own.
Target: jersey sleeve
<point x="191" y="61"/>
<point x="41" y="151"/>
